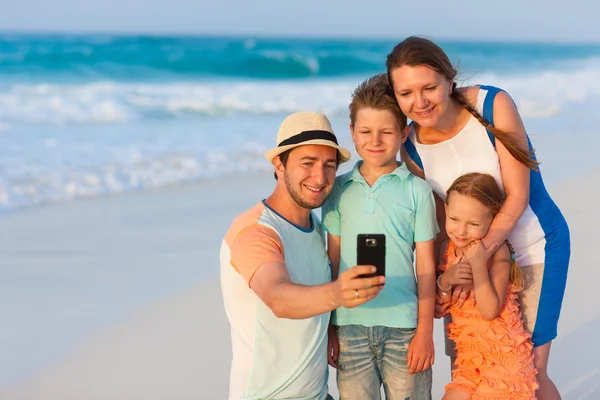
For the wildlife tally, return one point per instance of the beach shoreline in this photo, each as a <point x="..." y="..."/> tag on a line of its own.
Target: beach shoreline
<point x="119" y="297"/>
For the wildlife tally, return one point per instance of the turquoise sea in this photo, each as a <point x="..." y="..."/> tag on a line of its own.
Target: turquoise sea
<point x="97" y="115"/>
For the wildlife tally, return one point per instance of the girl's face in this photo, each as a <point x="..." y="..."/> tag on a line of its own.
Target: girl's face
<point x="422" y="93"/>
<point x="467" y="219"/>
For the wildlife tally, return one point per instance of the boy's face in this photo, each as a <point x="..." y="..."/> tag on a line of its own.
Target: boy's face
<point x="377" y="137"/>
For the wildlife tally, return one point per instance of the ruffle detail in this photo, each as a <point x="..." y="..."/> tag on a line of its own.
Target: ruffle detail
<point x="458" y="386"/>
<point x="528" y="394"/>
<point x="494" y="358"/>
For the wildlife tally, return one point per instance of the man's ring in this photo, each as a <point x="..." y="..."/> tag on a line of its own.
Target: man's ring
<point x="356" y="293"/>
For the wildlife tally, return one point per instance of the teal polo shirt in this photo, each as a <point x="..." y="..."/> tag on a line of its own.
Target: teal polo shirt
<point x="399" y="205"/>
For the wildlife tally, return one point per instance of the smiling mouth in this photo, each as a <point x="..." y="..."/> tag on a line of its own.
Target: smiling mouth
<point x="425" y="113"/>
<point x="314" y="189"/>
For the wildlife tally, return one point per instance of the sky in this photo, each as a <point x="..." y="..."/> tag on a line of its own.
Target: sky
<point x="522" y="20"/>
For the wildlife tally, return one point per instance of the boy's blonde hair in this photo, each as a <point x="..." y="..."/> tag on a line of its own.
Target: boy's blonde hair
<point x="483" y="187"/>
<point x="376" y="93"/>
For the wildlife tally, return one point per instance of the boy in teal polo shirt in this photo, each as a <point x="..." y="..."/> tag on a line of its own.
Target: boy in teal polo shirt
<point x="390" y="338"/>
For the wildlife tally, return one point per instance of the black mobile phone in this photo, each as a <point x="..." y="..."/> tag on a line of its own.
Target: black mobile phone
<point x="370" y="250"/>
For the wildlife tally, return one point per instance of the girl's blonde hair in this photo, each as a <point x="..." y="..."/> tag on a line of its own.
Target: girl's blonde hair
<point x="483" y="187"/>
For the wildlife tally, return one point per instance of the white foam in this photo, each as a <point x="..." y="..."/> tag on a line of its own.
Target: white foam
<point x="44" y="164"/>
<point x="547" y="93"/>
<point x="52" y="185"/>
<point x="542" y="94"/>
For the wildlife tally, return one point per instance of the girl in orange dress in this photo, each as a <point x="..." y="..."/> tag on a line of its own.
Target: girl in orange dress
<point x="494" y="352"/>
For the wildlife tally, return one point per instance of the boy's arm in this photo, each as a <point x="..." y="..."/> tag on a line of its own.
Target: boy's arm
<point x="333" y="251"/>
<point x="332" y="224"/>
<point x="426" y="276"/>
<point x="333" y="346"/>
<point x="421" y="352"/>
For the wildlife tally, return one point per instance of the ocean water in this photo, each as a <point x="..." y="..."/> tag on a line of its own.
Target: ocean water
<point x="98" y="115"/>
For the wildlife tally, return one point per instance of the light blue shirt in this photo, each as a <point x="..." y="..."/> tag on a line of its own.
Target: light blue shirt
<point x="274" y="358"/>
<point x="399" y="205"/>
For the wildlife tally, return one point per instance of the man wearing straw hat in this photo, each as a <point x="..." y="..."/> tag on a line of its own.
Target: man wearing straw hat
<point x="275" y="273"/>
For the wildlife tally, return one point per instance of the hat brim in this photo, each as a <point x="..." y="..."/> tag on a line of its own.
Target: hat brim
<point x="272" y="153"/>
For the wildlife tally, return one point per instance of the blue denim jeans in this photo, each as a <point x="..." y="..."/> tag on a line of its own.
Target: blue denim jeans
<point x="372" y="356"/>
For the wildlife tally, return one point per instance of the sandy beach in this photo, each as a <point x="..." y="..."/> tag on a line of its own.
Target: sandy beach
<point x="119" y="298"/>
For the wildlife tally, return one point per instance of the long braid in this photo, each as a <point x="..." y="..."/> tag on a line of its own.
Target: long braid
<point x="525" y="157"/>
<point x="516" y="276"/>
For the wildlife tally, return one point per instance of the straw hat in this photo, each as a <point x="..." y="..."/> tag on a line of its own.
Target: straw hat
<point x="304" y="128"/>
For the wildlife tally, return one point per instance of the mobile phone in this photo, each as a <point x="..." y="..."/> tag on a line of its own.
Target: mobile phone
<point x="370" y="250"/>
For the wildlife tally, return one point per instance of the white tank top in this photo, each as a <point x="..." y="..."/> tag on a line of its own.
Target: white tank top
<point x="472" y="151"/>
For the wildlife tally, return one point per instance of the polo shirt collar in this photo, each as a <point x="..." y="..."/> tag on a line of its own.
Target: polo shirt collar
<point x="401" y="172"/>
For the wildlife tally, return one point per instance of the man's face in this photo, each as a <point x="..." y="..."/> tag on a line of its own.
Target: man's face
<point x="309" y="174"/>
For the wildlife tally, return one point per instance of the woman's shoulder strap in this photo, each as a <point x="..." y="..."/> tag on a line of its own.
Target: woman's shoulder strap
<point x="410" y="147"/>
<point x="488" y="108"/>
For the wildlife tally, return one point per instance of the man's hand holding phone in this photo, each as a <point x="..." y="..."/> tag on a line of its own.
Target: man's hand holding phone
<point x="352" y="289"/>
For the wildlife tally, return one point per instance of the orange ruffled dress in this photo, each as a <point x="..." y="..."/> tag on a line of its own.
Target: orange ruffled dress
<point x="494" y="358"/>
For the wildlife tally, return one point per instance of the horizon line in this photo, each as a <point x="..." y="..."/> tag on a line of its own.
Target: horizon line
<point x="307" y="36"/>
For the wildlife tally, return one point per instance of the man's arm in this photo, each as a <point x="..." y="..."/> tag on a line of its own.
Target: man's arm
<point x="286" y="299"/>
<point x="257" y="254"/>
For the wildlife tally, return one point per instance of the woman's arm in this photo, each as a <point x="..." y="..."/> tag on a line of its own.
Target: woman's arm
<point x="515" y="176"/>
<point x="490" y="284"/>
<point x="439" y="203"/>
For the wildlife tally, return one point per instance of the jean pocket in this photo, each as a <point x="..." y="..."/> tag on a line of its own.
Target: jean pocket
<point x="405" y="333"/>
<point x="407" y="330"/>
